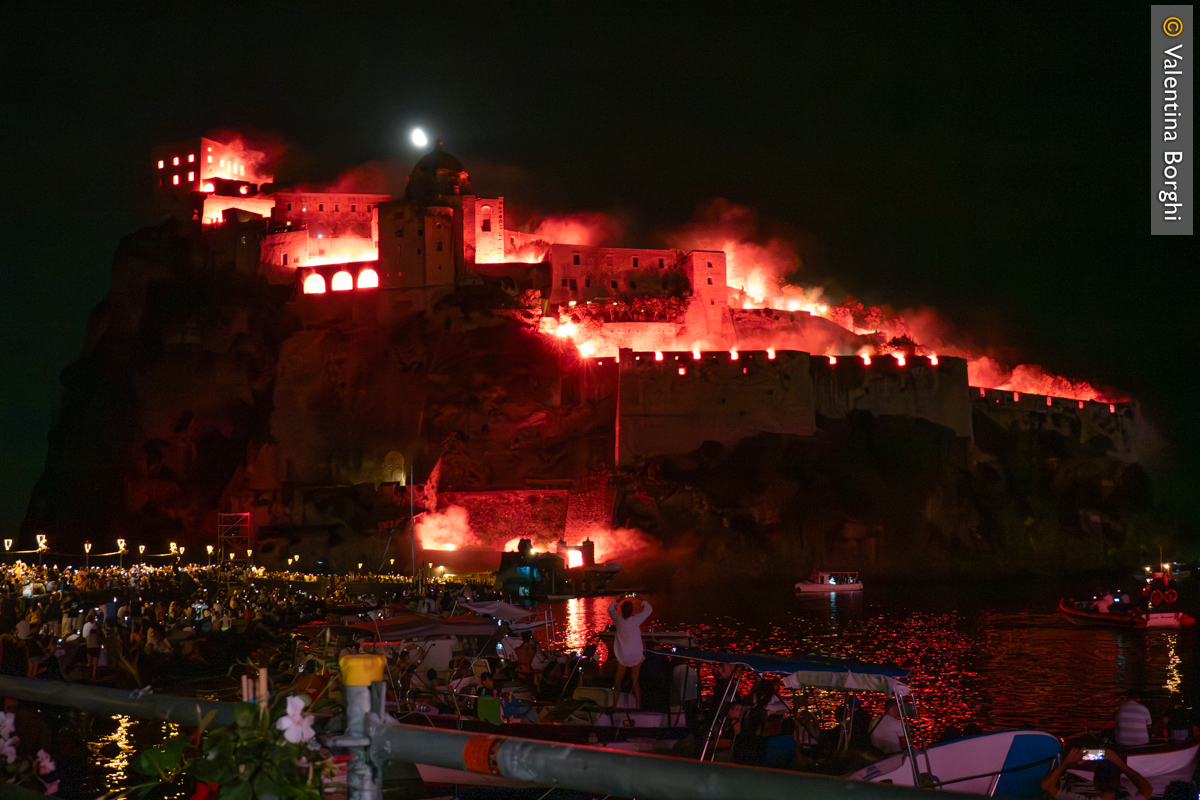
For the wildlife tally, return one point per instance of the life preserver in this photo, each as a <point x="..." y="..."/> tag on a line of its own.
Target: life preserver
<point x="1156" y="597"/>
<point x="1170" y="596"/>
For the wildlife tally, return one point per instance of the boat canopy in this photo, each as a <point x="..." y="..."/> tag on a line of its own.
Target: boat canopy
<point x="499" y="609"/>
<point x="809" y="670"/>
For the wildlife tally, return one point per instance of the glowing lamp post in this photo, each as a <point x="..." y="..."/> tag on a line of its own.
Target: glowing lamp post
<point x="121" y="553"/>
<point x="8" y="545"/>
<point x="87" y="555"/>
<point x="181" y="551"/>
<point x="42" y="546"/>
<point x="142" y="552"/>
<point x="209" y="548"/>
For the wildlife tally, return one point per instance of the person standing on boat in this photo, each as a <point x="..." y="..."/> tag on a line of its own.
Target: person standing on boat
<point x="1133" y="723"/>
<point x="1106" y="780"/>
<point x="627" y="644"/>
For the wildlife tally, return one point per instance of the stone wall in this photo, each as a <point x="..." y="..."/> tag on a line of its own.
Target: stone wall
<point x="675" y="404"/>
<point x="938" y="393"/>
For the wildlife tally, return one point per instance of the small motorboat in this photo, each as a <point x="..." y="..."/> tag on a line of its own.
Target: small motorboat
<point x="1081" y="612"/>
<point x="830" y="582"/>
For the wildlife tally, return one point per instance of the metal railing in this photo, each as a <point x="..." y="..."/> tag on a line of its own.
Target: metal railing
<point x="376" y="740"/>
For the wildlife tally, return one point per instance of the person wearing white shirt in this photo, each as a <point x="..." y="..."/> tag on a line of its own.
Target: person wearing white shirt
<point x="887" y="732"/>
<point x="627" y="643"/>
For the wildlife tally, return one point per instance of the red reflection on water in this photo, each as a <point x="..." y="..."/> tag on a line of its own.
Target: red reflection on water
<point x="980" y="669"/>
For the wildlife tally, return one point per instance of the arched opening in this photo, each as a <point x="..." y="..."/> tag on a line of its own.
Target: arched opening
<point x="342" y="282"/>
<point x="368" y="279"/>
<point x="314" y="284"/>
<point x="486" y="225"/>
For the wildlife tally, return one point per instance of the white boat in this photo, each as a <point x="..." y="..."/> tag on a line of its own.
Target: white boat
<point x="1008" y="763"/>
<point x="1004" y="764"/>
<point x="830" y="582"/>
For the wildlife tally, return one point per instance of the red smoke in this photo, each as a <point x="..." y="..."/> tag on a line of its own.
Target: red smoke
<point x="759" y="267"/>
<point x="260" y="152"/>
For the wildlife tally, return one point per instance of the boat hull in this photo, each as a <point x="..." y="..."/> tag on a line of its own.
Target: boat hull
<point x="808" y="587"/>
<point x="1007" y="763"/>
<point x="1158" y="620"/>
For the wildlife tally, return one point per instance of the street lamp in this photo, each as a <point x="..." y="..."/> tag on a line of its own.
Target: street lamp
<point x="210" y="551"/>
<point x="42" y="546"/>
<point x="142" y="552"/>
<point x="121" y="553"/>
<point x="7" y="545"/>
<point x="87" y="551"/>
<point x="181" y="552"/>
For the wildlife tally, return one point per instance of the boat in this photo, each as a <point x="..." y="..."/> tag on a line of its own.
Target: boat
<point x="1010" y="763"/>
<point x="1081" y="612"/>
<point x="830" y="582"/>
<point x="1158" y="762"/>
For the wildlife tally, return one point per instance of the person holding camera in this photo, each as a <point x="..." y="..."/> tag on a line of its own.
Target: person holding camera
<point x="1106" y="780"/>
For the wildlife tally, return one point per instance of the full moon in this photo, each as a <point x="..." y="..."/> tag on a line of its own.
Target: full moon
<point x="419" y="139"/>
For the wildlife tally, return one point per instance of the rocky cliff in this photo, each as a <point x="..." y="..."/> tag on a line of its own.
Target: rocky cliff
<point x="203" y="388"/>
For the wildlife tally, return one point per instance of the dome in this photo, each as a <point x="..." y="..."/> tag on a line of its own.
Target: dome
<point x="436" y="177"/>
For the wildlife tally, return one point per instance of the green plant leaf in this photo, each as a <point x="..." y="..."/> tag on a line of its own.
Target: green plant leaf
<point x="245" y="715"/>
<point x="265" y="788"/>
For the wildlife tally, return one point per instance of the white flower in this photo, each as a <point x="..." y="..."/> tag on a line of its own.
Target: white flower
<point x="45" y="764"/>
<point x="296" y="726"/>
<point x="8" y="749"/>
<point x="8" y="724"/>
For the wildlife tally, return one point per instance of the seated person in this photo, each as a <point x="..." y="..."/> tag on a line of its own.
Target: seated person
<point x="1106" y="781"/>
<point x="887" y="732"/>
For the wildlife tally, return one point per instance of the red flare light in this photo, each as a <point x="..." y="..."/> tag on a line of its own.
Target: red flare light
<point x="900" y="359"/>
<point x="832" y="360"/>
<point x="574" y="559"/>
<point x="314" y="284"/>
<point x="771" y="353"/>
<point x="733" y="355"/>
<point x="695" y="353"/>
<point x="933" y="362"/>
<point x="658" y="355"/>
<point x="342" y="282"/>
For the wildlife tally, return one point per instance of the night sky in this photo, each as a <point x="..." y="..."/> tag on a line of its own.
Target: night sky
<point x="991" y="163"/>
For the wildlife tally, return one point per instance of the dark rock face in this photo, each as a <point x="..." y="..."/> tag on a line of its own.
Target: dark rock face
<point x="203" y="389"/>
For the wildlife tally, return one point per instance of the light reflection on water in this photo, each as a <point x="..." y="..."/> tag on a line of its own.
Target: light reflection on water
<point x="113" y="748"/>
<point x="993" y="659"/>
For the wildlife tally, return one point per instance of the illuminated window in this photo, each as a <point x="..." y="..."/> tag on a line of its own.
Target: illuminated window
<point x="191" y="158"/>
<point x="191" y="177"/>
<point x="304" y="208"/>
<point x="175" y="179"/>
<point x="314" y="284"/>
<point x="368" y="279"/>
<point x="342" y="282"/>
<point x="160" y="165"/>
<point x="243" y="169"/>
<point x="575" y="258"/>
<point x="222" y="162"/>
<point x="210" y="158"/>
<point x="175" y="161"/>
